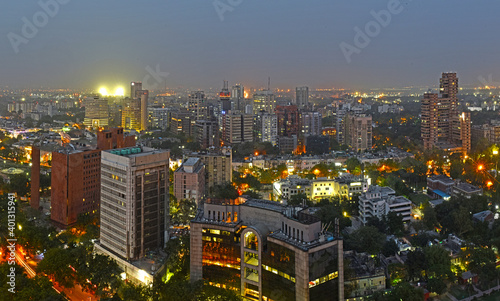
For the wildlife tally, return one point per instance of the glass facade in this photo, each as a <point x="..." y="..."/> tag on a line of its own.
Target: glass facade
<point x="221" y="258"/>
<point x="278" y="273"/>
<point x="323" y="274"/>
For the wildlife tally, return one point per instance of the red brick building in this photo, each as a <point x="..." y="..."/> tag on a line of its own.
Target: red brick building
<point x="76" y="177"/>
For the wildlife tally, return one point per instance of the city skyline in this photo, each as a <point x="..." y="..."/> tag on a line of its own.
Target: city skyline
<point x="184" y="46"/>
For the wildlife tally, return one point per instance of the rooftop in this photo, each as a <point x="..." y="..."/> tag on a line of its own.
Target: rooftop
<point x="443" y="179"/>
<point x="466" y="187"/>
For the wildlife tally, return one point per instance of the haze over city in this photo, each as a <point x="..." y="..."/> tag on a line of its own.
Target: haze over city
<point x="90" y="43"/>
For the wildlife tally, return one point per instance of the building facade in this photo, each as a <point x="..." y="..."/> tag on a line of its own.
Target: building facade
<point x="302" y="96"/>
<point x="443" y="124"/>
<point x="189" y="180"/>
<point x="134" y="201"/>
<point x="264" y="101"/>
<point x="266" y="128"/>
<point x="379" y="201"/>
<point x="266" y="251"/>
<point x="237" y="128"/>
<point x="96" y="112"/>
<point x="358" y="131"/>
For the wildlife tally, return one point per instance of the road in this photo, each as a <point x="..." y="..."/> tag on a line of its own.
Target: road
<point x="74" y="294"/>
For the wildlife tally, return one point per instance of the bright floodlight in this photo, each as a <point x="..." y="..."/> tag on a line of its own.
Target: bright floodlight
<point x="120" y="92"/>
<point x="103" y="91"/>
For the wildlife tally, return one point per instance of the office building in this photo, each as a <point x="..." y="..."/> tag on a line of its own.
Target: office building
<point x="225" y="98"/>
<point x="76" y="174"/>
<point x="379" y="201"/>
<point x="237" y="128"/>
<point x="266" y="251"/>
<point x="134" y="201"/>
<point x="266" y="128"/>
<point x="358" y="131"/>
<point x="35" y="177"/>
<point x="302" y="96"/>
<point x="182" y="121"/>
<point x="96" y="112"/>
<point x="443" y="125"/>
<point x="189" y="180"/>
<point x="264" y="101"/>
<point x="237" y="97"/>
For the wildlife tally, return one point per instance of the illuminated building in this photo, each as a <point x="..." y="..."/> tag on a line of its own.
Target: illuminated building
<point x="302" y="96"/>
<point x="189" y="180"/>
<point x="144" y="98"/>
<point x="266" y="128"/>
<point x="197" y="105"/>
<point x="266" y="251"/>
<point x="310" y="123"/>
<point x="443" y="125"/>
<point x="182" y="121"/>
<point x="288" y="120"/>
<point x="134" y="201"/>
<point x="225" y="98"/>
<point x="264" y="101"/>
<point x="75" y="177"/>
<point x="379" y="201"/>
<point x="96" y="112"/>
<point x="159" y="117"/>
<point x="358" y="131"/>
<point x="131" y="114"/>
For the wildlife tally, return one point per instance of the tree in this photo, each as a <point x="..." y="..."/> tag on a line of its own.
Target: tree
<point x="56" y="264"/>
<point x="416" y="263"/>
<point x="438" y="262"/>
<point x="366" y="239"/>
<point x="129" y="291"/>
<point x="225" y="191"/>
<point x="353" y="165"/>
<point x="20" y="184"/>
<point x="390" y="248"/>
<point x="430" y="217"/>
<point x="297" y="199"/>
<point x="436" y="285"/>
<point x="395" y="223"/>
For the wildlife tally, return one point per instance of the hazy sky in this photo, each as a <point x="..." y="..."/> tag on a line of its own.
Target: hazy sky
<point x="88" y="43"/>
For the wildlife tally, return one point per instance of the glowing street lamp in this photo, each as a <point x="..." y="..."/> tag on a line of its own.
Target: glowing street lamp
<point x="480" y="167"/>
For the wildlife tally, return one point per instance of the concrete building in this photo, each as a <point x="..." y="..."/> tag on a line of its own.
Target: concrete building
<point x="367" y="277"/>
<point x="310" y="123"/>
<point x="302" y="96"/>
<point x="189" y="180"/>
<point x="96" y="112"/>
<point x="358" y="131"/>
<point x="288" y="121"/>
<point x="237" y="128"/>
<point x="35" y="177"/>
<point x="134" y="87"/>
<point x="288" y="145"/>
<point x="197" y="105"/>
<point x="76" y="177"/>
<point x="439" y="186"/>
<point x="466" y="190"/>
<point x="443" y="125"/>
<point x="159" y="118"/>
<point x="237" y="97"/>
<point x="182" y="121"/>
<point x="134" y="201"/>
<point x="270" y="252"/>
<point x="379" y="201"/>
<point x="490" y="132"/>
<point x="218" y="168"/>
<point x="345" y="187"/>
<point x="266" y="128"/>
<point x="293" y="185"/>
<point x="143" y="95"/>
<point x="207" y="133"/>
<point x="264" y="101"/>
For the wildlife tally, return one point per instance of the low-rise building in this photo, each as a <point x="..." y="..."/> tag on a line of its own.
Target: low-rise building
<point x="189" y="180"/>
<point x="367" y="277"/>
<point x="292" y="185"/>
<point x="379" y="201"/>
<point x="466" y="190"/>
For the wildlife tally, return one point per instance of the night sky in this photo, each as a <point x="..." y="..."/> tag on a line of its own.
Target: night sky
<point x="90" y="43"/>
